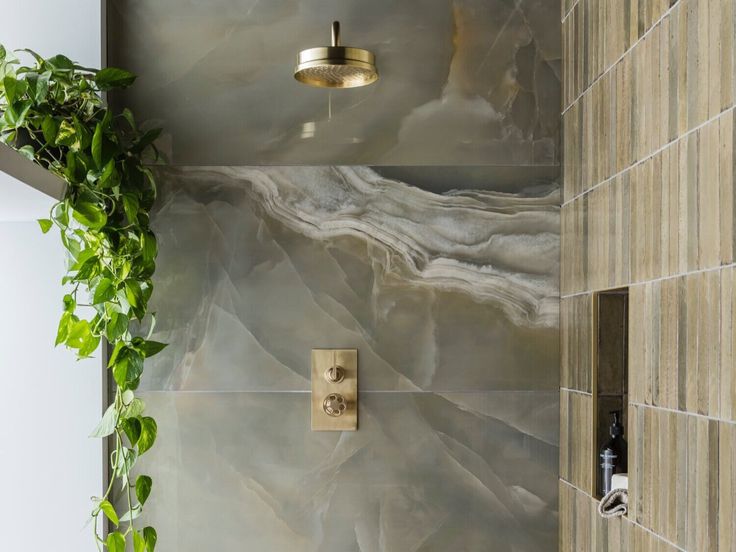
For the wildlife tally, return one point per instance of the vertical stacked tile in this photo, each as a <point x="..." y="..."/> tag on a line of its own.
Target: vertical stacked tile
<point x="648" y="203"/>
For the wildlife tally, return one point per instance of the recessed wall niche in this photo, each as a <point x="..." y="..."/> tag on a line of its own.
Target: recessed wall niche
<point x="610" y="369"/>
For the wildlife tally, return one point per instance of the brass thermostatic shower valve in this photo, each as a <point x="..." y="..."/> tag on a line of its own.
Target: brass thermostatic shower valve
<point x="334" y="389"/>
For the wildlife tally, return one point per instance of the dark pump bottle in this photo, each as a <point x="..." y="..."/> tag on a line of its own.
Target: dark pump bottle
<point x="613" y="453"/>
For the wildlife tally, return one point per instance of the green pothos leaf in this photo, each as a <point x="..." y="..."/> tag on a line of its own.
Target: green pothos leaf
<point x="14" y="88"/>
<point x="132" y="429"/>
<point x="139" y="542"/>
<point x="79" y="332"/>
<point x="143" y="488"/>
<point x="104" y="291"/>
<point x="132" y="514"/>
<point x="117" y="326"/>
<point x="69" y="303"/>
<point x="149" y="533"/>
<point x="131" y="206"/>
<point x="39" y="86"/>
<point x="89" y="345"/>
<point x="112" y="77"/>
<point x="65" y="323"/>
<point x="124" y="462"/>
<point x="149" y="430"/>
<point x="120" y="371"/>
<point x="15" y="114"/>
<point x="97" y="145"/>
<point x="89" y="213"/>
<point x="110" y="512"/>
<point x="45" y="225"/>
<point x="60" y="63"/>
<point x="151" y="348"/>
<point x="50" y="128"/>
<point x="65" y="134"/>
<point x="115" y="542"/>
<point x="134" y="409"/>
<point x="28" y="152"/>
<point x="108" y="423"/>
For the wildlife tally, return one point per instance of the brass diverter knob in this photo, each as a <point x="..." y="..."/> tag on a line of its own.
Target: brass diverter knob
<point x="334" y="405"/>
<point x="335" y="374"/>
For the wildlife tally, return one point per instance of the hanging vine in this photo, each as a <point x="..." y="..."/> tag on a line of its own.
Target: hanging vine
<point x="53" y="114"/>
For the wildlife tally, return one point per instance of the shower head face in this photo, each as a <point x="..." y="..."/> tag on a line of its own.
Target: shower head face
<point x="336" y="66"/>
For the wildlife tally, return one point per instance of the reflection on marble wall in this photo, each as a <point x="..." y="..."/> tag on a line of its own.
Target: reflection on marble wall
<point x="462" y="81"/>
<point x="447" y="292"/>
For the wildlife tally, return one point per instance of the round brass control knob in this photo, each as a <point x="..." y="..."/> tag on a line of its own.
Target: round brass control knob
<point x="334" y="405"/>
<point x="335" y="374"/>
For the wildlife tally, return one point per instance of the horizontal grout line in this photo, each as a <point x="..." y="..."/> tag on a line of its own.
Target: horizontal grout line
<point x="685" y="412"/>
<point x="568" y="12"/>
<point x="576" y="391"/>
<point x="573" y="486"/>
<point x="219" y="391"/>
<point x="647" y="157"/>
<point x="195" y="166"/>
<point x="631" y="48"/>
<point x="579" y="293"/>
<point x="652" y="281"/>
<point x="627" y="518"/>
<point x="656" y="535"/>
<point x="360" y="391"/>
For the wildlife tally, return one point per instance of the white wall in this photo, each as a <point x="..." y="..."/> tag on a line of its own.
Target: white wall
<point x="48" y="406"/>
<point x="50" y="27"/>
<point x="49" y="402"/>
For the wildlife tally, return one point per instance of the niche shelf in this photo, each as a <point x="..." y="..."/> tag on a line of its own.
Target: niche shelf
<point x="610" y="340"/>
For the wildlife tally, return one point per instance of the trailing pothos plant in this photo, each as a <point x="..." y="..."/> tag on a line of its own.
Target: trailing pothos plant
<point x="52" y="112"/>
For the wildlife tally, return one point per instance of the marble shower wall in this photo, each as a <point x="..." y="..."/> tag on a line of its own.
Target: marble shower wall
<point x="449" y="291"/>
<point x="438" y="291"/>
<point x="425" y="234"/>
<point x="463" y="81"/>
<point x="426" y="471"/>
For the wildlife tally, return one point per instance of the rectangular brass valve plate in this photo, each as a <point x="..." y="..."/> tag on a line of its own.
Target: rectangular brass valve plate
<point x="337" y="397"/>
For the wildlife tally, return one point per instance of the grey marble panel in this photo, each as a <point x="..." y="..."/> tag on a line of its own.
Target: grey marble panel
<point x="449" y="291"/>
<point x="462" y="81"/>
<point x="424" y="472"/>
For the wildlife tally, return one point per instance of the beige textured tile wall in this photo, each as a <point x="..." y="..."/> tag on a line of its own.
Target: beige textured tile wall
<point x="649" y="203"/>
<point x="576" y="411"/>
<point x="575" y="350"/>
<point x="583" y="530"/>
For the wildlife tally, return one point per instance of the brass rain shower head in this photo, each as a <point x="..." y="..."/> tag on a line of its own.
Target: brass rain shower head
<point x="336" y="66"/>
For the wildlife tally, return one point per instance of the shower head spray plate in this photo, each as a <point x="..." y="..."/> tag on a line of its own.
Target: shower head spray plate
<point x="336" y="66"/>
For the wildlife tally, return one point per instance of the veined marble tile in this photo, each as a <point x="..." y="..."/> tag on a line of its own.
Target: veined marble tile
<point x="462" y="81"/>
<point x="455" y="291"/>
<point x="424" y="472"/>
